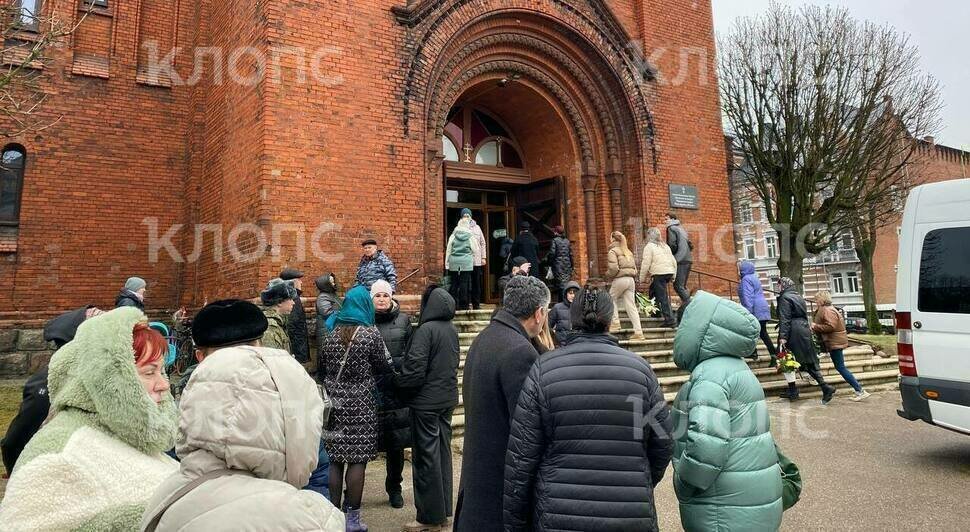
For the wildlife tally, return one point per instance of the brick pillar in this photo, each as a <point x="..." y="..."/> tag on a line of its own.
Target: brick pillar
<point x="589" y="205"/>
<point x="615" y="181"/>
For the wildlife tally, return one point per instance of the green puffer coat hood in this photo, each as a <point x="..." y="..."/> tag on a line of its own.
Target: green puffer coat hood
<point x="95" y="375"/>
<point x="726" y="471"/>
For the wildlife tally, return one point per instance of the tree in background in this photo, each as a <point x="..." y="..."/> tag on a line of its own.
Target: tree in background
<point x="826" y="111"/>
<point x="29" y="37"/>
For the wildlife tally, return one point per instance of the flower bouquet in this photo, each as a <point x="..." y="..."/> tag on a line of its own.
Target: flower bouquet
<point x="646" y="305"/>
<point x="787" y="362"/>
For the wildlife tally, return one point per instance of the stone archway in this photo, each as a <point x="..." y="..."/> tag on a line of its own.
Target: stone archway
<point x="573" y="55"/>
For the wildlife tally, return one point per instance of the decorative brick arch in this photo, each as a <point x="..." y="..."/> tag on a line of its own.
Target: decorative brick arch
<point x="579" y="56"/>
<point x="438" y="32"/>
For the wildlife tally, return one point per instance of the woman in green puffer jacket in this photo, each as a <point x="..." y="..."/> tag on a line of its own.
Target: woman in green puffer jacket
<point x="726" y="471"/>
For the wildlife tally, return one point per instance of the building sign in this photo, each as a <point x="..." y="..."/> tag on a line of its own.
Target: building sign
<point x="684" y="197"/>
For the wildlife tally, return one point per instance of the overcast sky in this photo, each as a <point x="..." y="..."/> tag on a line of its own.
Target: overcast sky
<point x="940" y="28"/>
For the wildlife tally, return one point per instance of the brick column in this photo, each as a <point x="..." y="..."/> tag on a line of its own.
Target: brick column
<point x="615" y="181"/>
<point x="589" y="205"/>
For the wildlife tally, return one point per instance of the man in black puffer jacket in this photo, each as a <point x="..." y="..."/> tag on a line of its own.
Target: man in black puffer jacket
<point x="560" y="323"/>
<point x="394" y="417"/>
<point x="429" y="380"/>
<point x="560" y="474"/>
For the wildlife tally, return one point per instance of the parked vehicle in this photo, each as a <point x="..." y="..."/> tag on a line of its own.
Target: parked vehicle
<point x="933" y="305"/>
<point x="856" y="325"/>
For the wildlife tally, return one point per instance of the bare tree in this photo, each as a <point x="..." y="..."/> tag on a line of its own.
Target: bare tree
<point x="28" y="42"/>
<point x="825" y="109"/>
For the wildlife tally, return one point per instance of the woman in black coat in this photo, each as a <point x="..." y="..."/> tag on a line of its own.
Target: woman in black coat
<point x="394" y="430"/>
<point x="559" y="475"/>
<point x="559" y="321"/>
<point x="795" y="336"/>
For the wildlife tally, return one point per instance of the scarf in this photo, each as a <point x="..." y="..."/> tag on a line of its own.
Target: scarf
<point x="357" y="309"/>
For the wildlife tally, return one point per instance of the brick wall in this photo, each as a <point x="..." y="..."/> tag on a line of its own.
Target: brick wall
<point x="132" y="143"/>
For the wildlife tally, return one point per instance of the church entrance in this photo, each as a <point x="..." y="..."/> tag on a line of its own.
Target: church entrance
<point x="486" y="171"/>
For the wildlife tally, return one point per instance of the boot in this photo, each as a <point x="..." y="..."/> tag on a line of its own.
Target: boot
<point x="395" y="500"/>
<point x="354" y="522"/>
<point x="827" y="390"/>
<point x="791" y="393"/>
<point x="772" y="361"/>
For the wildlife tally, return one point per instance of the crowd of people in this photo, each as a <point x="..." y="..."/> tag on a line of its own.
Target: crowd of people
<point x="565" y="429"/>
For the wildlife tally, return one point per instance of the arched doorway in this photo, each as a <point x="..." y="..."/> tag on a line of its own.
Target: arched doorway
<point x="508" y="157"/>
<point x="594" y="131"/>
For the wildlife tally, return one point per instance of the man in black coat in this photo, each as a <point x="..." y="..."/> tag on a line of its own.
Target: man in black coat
<point x="552" y="453"/>
<point x="429" y="381"/>
<point x="36" y="401"/>
<point x="296" y="327"/>
<point x="497" y="364"/>
<point x="527" y="246"/>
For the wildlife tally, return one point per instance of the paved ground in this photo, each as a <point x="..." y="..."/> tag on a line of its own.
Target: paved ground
<point x="863" y="469"/>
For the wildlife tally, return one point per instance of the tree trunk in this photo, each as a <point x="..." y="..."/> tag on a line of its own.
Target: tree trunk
<point x="790" y="264"/>
<point x="865" y="251"/>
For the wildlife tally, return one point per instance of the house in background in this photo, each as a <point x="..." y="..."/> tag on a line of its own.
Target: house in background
<point x="838" y="268"/>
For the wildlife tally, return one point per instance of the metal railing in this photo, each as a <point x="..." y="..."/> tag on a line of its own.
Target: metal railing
<point x="734" y="283"/>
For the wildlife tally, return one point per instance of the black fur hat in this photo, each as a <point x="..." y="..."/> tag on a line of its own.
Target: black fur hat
<point x="228" y="322"/>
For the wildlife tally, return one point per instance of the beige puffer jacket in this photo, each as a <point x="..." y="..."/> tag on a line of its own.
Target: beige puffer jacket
<point x="657" y="259"/>
<point x="253" y="409"/>
<point x="620" y="265"/>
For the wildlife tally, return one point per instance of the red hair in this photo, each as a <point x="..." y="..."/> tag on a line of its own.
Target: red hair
<point x="149" y="344"/>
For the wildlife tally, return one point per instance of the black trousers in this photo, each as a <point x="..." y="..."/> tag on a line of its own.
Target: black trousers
<point x="766" y="338"/>
<point x="478" y="286"/>
<point x="461" y="287"/>
<point x="395" y="471"/>
<point x="659" y="290"/>
<point x="680" y="283"/>
<point x="432" y="467"/>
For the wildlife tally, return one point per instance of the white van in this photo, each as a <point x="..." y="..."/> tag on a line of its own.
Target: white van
<point x="933" y="305"/>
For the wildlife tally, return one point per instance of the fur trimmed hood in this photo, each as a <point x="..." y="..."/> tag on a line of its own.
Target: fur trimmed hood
<point x="95" y="376"/>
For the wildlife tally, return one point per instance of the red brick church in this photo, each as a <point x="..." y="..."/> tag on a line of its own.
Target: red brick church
<point x="204" y="145"/>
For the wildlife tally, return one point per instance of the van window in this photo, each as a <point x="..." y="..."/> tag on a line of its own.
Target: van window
<point x="944" y="272"/>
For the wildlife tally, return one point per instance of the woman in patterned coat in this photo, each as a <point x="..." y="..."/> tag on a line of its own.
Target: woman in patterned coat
<point x="351" y="356"/>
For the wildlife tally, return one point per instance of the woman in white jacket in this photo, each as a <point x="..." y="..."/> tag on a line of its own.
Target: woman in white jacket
<point x="249" y="431"/>
<point x="659" y="263"/>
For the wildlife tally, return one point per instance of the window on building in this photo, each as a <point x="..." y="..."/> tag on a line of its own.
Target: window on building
<point x="852" y="279"/>
<point x="944" y="283"/>
<point x="29" y="13"/>
<point x="449" y="149"/>
<point x="838" y="284"/>
<point x="846" y="241"/>
<point x="11" y="183"/>
<point x="749" y="251"/>
<point x="763" y="211"/>
<point x="480" y="138"/>
<point x="744" y="212"/>
<point x="487" y="154"/>
<point x="771" y="247"/>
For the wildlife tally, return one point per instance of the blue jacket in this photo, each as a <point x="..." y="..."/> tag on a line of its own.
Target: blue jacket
<point x="374" y="269"/>
<point x="751" y="295"/>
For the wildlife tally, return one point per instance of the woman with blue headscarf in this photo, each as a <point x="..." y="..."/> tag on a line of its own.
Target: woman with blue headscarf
<point x="351" y="355"/>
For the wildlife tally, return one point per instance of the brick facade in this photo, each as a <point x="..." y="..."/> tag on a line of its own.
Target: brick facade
<point x="344" y="130"/>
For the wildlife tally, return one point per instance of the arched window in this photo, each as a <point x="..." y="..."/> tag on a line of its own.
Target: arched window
<point x="478" y="137"/>
<point x="449" y="149"/>
<point x="11" y="182"/>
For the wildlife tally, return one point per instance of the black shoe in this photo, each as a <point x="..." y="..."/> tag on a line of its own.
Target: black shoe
<point x="827" y="394"/>
<point x="396" y="500"/>
<point x="791" y="393"/>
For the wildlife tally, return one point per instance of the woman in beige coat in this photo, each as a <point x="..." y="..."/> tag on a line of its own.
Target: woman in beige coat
<point x="659" y="264"/>
<point x="249" y="431"/>
<point x="622" y="274"/>
<point x="830" y="325"/>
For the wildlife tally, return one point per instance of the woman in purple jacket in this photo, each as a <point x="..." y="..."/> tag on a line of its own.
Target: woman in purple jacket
<point x="752" y="297"/>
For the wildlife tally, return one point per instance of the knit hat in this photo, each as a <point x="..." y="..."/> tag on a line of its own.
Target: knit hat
<point x="466" y="212"/>
<point x="525" y="226"/>
<point x="368" y="242"/>
<point x="558" y="230"/>
<point x="228" y="322"/>
<point x="786" y="283"/>
<point x="289" y="274"/>
<point x="277" y="291"/>
<point x="135" y="284"/>
<point x="592" y="310"/>
<point x="381" y="287"/>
